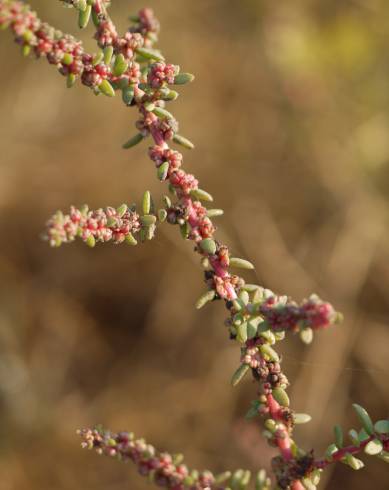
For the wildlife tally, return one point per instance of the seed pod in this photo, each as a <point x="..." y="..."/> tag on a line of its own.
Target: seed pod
<point x="338" y="435"/>
<point x="354" y="463"/>
<point x="374" y="447"/>
<point x="201" y="195"/>
<point x="84" y="16"/>
<point x="106" y="88"/>
<point x="240" y="263"/>
<point x="208" y="246"/>
<point x="181" y="140"/>
<point x="364" y="418"/>
<point x="90" y="241"/>
<point x="214" y="213"/>
<point x="133" y="141"/>
<point x="205" y="298"/>
<point x="382" y="426"/>
<point x="163" y="170"/>
<point x="162" y="113"/>
<point x="301" y="418"/>
<point x="149" y="54"/>
<point x="120" y="65"/>
<point x="239" y="374"/>
<point x="131" y="240"/>
<point x="183" y="78"/>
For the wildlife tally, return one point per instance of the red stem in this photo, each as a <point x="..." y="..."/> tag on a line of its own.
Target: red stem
<point x="341" y="453"/>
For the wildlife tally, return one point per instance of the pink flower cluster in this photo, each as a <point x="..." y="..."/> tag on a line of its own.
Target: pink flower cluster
<point x="147" y="25"/>
<point x="293" y="470"/>
<point x="160" y="73"/>
<point x="165" y="470"/>
<point x="268" y="371"/>
<point x="159" y="155"/>
<point x="23" y="20"/>
<point x="92" y="226"/>
<point x="183" y="182"/>
<point x="312" y="313"/>
<point x="67" y="53"/>
<point x="128" y="44"/>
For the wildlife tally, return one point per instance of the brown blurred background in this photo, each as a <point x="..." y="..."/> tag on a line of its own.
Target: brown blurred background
<point x="290" y="115"/>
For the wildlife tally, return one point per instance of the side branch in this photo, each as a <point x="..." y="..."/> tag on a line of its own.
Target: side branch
<point x="119" y="225"/>
<point x="162" y="468"/>
<point x="257" y="318"/>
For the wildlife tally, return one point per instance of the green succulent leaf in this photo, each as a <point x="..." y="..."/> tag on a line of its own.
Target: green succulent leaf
<point x="301" y="418"/>
<point x="205" y="298"/>
<point x="364" y="418"/>
<point x="338" y="435"/>
<point x="382" y="426"/>
<point x="239" y="374"/>
<point x="281" y="396"/>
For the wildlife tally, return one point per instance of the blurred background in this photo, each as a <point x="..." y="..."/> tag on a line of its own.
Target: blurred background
<point x="290" y="115"/>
